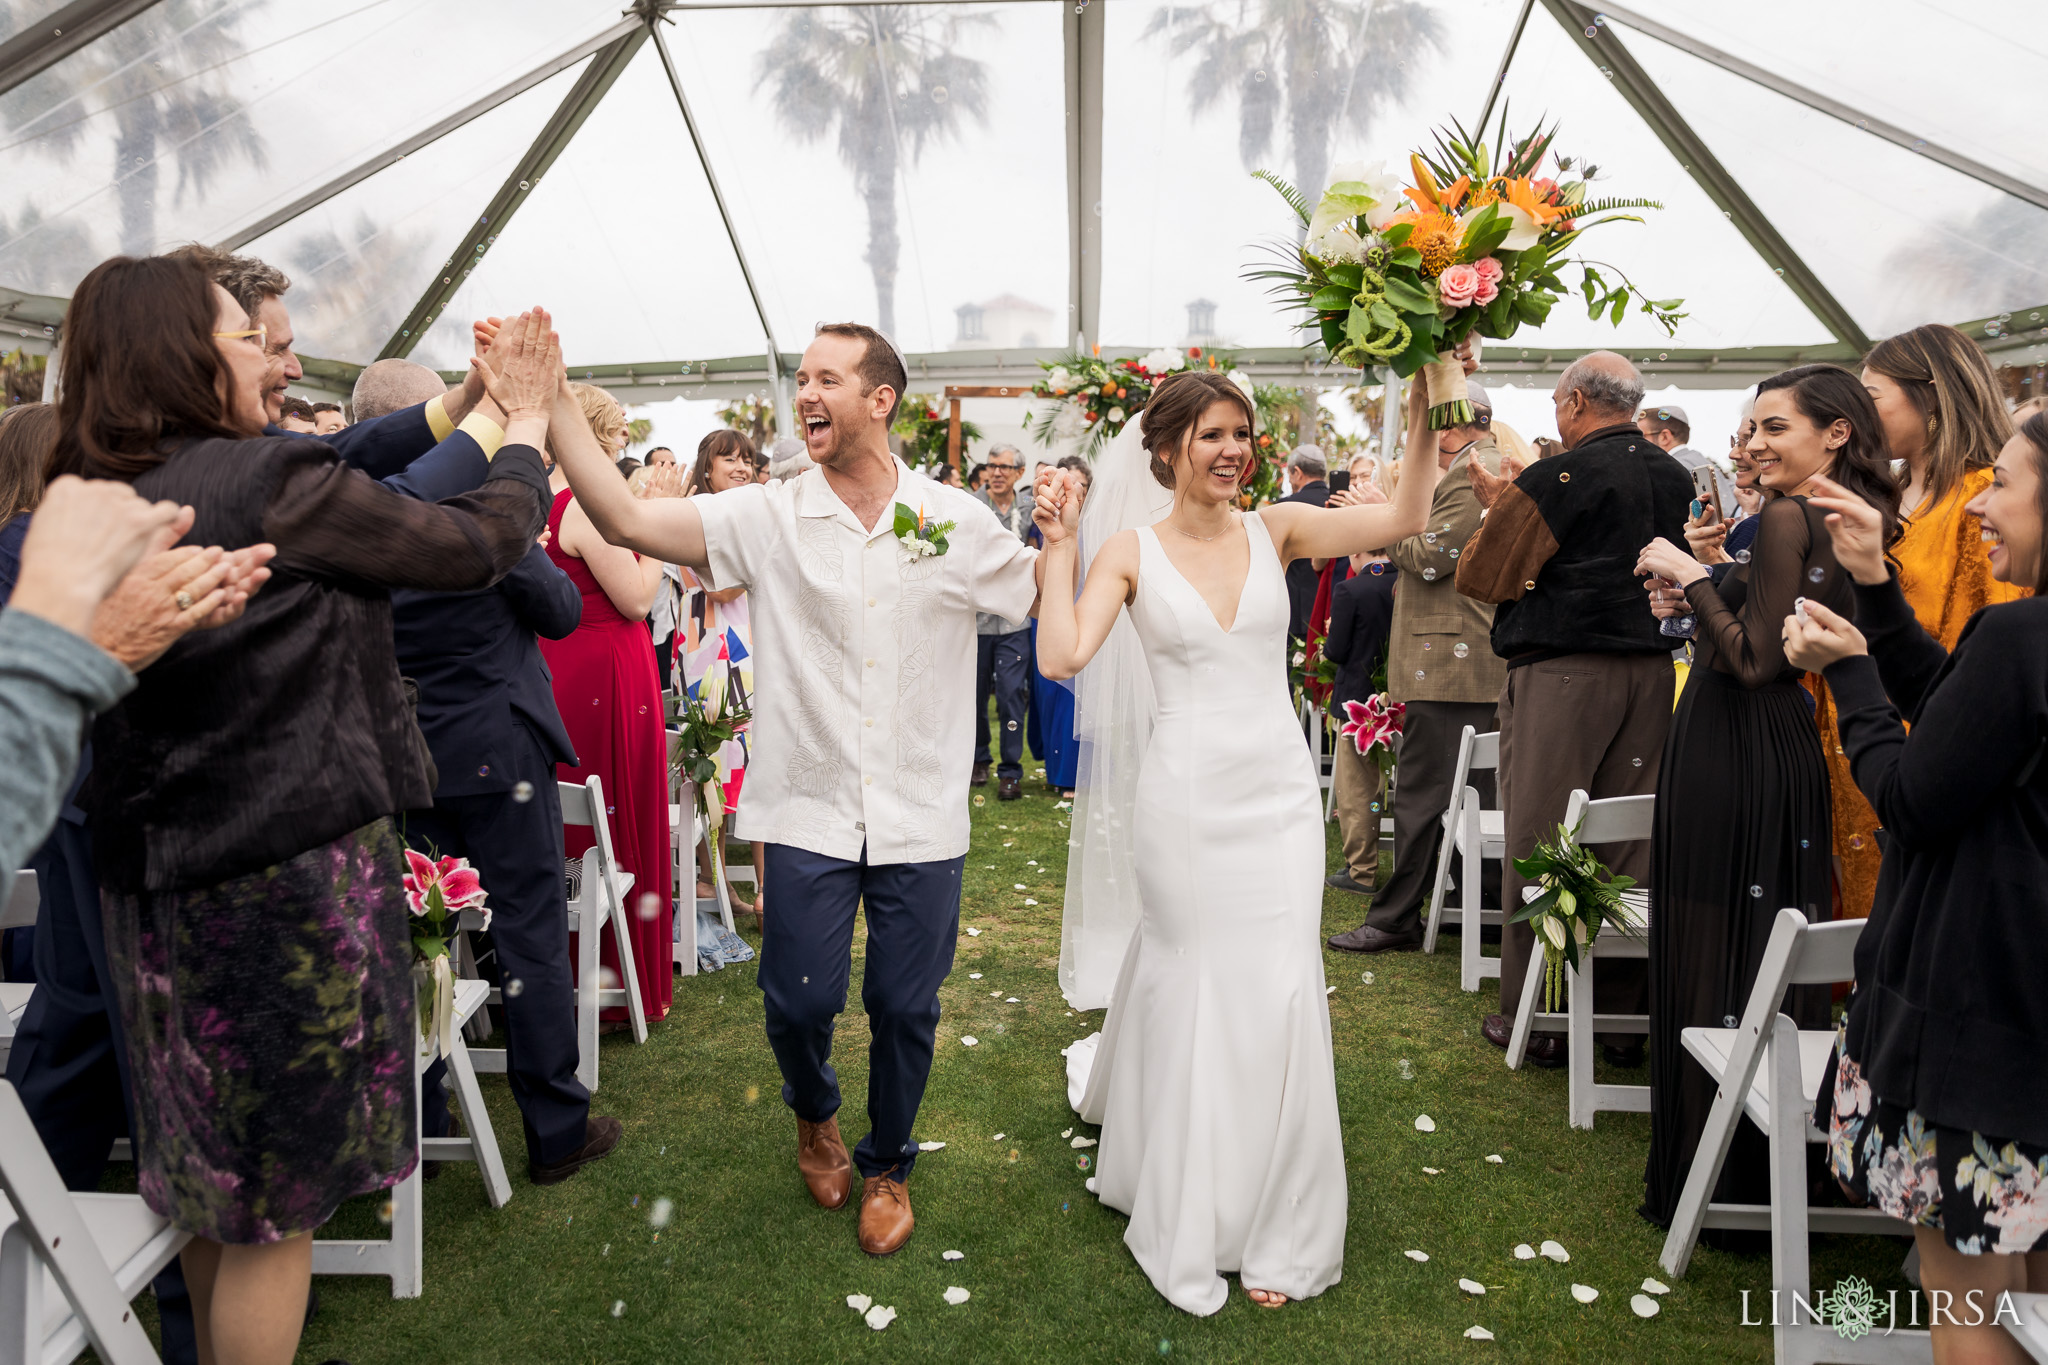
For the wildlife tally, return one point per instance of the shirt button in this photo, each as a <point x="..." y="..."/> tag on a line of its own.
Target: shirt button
<point x="868" y="781"/>
<point x="869" y="722"/>
<point x="871" y="601"/>
<point x="871" y="663"/>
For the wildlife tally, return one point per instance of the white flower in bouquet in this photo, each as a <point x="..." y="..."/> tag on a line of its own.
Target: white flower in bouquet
<point x="1520" y="237"/>
<point x="1165" y="360"/>
<point x="1357" y="187"/>
<point x="1339" y="245"/>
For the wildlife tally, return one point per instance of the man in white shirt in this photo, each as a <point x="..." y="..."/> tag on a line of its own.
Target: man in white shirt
<point x="864" y="580"/>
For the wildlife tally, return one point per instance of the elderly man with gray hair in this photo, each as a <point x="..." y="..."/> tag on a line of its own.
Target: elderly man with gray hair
<point x="1003" y="665"/>
<point x="1306" y="477"/>
<point x="1588" y="694"/>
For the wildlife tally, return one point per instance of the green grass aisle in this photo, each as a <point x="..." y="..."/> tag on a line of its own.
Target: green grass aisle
<point x="749" y="1269"/>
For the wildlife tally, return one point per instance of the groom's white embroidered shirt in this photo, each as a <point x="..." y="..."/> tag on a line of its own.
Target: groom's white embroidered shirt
<point x="864" y="662"/>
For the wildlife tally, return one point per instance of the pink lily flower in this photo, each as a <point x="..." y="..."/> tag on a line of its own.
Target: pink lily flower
<point x="457" y="882"/>
<point x="1373" y="723"/>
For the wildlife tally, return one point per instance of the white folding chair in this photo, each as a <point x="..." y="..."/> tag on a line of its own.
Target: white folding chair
<point x="1617" y="820"/>
<point x="1474" y="834"/>
<point x="70" y="1263"/>
<point x="1315" y="725"/>
<point x="601" y="900"/>
<point x="402" y="1254"/>
<point x="683" y="843"/>
<point x="1769" y="1068"/>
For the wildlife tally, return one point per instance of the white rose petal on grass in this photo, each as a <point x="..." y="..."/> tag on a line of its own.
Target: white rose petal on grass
<point x="952" y="1255"/>
<point x="1424" y="1124"/>
<point x="974" y="976"/>
<point x="1029" y="901"/>
<point x="1495" y="1160"/>
<point x="1080" y="1142"/>
<point x="1068" y="1133"/>
<point x="1478" y="1333"/>
<point x="931" y="1146"/>
<point x="1525" y="1252"/>
<point x="1656" y="1287"/>
<point x="879" y="1317"/>
<point x="1585" y="1293"/>
<point x="859" y="1303"/>
<point x="1431" y="1170"/>
<point x="1013" y="1000"/>
<point x="1416" y="1256"/>
<point x="1555" y="1252"/>
<point x="1645" y="1306"/>
<point x="1329" y="990"/>
<point x="1471" y="1286"/>
<point x="974" y="933"/>
<point x="969" y="1040"/>
<point x="956" y="1296"/>
<point x="1018" y="886"/>
<point x="998" y="1137"/>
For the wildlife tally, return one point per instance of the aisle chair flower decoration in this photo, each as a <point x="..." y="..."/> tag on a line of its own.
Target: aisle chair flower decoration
<point x="1398" y="275"/>
<point x="1373" y="726"/>
<point x="1578" y="896"/>
<point x="708" y="718"/>
<point x="437" y="891"/>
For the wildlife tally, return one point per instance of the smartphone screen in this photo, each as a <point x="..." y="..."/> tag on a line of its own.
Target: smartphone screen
<point x="1340" y="481"/>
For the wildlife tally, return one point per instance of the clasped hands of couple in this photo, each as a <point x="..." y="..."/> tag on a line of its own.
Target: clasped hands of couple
<point x="1814" y="640"/>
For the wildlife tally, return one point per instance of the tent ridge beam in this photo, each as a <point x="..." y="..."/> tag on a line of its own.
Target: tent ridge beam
<point x="1083" y="38"/>
<point x="590" y="88"/>
<point x="391" y="155"/>
<point x="1500" y="76"/>
<point x="675" y="84"/>
<point x="1833" y="108"/>
<point x="56" y="36"/>
<point x="1706" y="169"/>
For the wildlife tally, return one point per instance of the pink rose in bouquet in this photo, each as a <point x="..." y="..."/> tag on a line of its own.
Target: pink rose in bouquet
<point x="1458" y="285"/>
<point x="1490" y="274"/>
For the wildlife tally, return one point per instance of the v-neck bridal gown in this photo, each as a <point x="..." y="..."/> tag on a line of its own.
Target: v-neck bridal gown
<point x="1213" y="1079"/>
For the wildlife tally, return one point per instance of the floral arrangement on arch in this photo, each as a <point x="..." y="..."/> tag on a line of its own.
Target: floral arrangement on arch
<point x="1107" y="394"/>
<point x="1399" y="275"/>
<point x="1578" y="896"/>
<point x="437" y="891"/>
<point x="922" y="425"/>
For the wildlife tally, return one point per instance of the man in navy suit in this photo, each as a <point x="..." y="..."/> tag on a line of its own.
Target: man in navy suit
<point x="1305" y="477"/>
<point x="487" y="708"/>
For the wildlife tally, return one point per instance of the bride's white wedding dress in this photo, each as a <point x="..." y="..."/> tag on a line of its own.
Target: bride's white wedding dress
<point x="1212" y="1077"/>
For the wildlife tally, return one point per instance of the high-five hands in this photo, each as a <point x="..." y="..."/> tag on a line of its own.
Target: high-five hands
<point x="528" y="367"/>
<point x="1056" y="504"/>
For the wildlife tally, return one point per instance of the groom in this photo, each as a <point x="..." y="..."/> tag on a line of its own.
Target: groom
<point x="864" y="650"/>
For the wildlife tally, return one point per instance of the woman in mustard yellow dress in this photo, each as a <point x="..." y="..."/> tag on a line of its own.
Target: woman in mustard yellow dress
<point x="1945" y="418"/>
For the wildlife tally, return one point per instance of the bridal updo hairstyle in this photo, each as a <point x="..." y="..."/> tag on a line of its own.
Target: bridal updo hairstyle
<point x="1178" y="402"/>
<point x="1826" y="394"/>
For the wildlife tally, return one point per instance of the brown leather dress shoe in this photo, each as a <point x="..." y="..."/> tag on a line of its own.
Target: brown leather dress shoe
<point x="979" y="777"/>
<point x="1009" y="788"/>
<point x="1545" y="1049"/>
<point x="885" y="1220"/>
<point x="600" y="1135"/>
<point x="1367" y="939"/>
<point x="821" y="1156"/>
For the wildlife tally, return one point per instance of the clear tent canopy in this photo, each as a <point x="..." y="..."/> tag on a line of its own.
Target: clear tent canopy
<point x="690" y="187"/>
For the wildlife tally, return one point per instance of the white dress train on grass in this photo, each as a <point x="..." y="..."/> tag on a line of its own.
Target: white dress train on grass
<point x="1212" y="1077"/>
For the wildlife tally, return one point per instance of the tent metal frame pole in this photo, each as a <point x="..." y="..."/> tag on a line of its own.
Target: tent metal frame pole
<point x="1500" y="76"/>
<point x="1642" y="94"/>
<point x="56" y="36"/>
<point x="1833" y="108"/>
<point x="776" y="378"/>
<point x="392" y="155"/>
<point x="1083" y="41"/>
<point x="590" y="88"/>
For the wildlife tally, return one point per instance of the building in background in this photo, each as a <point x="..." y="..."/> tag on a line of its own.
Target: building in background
<point x="1004" y="323"/>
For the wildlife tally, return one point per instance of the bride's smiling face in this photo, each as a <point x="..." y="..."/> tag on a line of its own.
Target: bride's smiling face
<point x="1211" y="466"/>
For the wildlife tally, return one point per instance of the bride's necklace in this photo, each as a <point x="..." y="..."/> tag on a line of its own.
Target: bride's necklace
<point x="1192" y="536"/>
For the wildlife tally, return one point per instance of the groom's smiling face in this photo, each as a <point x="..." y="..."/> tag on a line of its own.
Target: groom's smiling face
<point x="837" y="417"/>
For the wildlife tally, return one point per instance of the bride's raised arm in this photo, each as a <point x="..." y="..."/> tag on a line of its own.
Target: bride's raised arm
<point x="1304" y="532"/>
<point x="1070" y="631"/>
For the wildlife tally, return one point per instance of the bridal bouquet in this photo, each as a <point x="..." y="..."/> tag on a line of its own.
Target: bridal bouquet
<point x="1579" y="895"/>
<point x="1399" y="274"/>
<point x="437" y="891"/>
<point x="1105" y="394"/>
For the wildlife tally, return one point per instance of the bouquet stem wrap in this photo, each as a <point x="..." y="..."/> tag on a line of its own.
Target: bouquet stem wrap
<point x="435" y="983"/>
<point x="1450" y="401"/>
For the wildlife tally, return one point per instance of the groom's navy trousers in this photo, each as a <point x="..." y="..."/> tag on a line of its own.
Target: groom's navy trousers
<point x="913" y="915"/>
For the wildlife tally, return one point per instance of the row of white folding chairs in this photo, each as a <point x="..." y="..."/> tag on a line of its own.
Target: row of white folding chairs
<point x="1472" y="833"/>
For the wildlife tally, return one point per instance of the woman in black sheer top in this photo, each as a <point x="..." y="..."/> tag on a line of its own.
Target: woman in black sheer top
<point x="1742" y="827"/>
<point x="242" y="796"/>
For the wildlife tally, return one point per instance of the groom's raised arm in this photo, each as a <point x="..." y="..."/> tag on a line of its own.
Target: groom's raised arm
<point x="669" y="529"/>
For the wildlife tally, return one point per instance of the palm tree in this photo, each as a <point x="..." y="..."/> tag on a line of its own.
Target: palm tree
<point x="1324" y="68"/>
<point x="164" y="80"/>
<point x="349" y="308"/>
<point x="888" y="78"/>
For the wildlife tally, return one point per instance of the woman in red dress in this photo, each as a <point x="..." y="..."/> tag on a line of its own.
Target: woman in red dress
<point x="609" y="693"/>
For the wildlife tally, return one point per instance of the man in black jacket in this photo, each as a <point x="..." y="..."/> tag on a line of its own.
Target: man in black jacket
<point x="487" y="708"/>
<point x="1361" y="612"/>
<point x="1588" y="695"/>
<point x="1305" y="473"/>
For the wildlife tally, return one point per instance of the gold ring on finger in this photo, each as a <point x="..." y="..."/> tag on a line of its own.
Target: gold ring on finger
<point x="184" y="600"/>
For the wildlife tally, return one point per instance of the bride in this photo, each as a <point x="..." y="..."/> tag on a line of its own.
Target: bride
<point x="1212" y="1078"/>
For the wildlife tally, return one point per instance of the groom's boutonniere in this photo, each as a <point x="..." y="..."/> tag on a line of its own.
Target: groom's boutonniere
<point x="919" y="536"/>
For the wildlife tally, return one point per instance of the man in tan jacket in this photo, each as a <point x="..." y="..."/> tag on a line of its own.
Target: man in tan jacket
<point x="1441" y="665"/>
